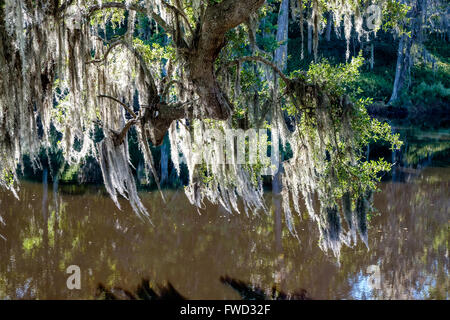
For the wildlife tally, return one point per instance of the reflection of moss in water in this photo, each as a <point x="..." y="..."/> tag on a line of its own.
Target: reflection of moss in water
<point x="436" y="294"/>
<point x="71" y="173"/>
<point x="430" y="144"/>
<point x="73" y="189"/>
<point x="31" y="243"/>
<point x="423" y="234"/>
<point x="192" y="250"/>
<point x="441" y="238"/>
<point x="33" y="239"/>
<point x="415" y="153"/>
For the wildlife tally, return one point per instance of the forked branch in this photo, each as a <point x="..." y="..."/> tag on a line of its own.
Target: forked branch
<point x="130" y="111"/>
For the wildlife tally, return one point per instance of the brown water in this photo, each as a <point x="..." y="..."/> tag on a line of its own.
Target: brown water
<point x="49" y="230"/>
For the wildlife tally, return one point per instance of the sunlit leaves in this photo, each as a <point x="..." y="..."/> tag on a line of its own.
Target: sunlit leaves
<point x="335" y="78"/>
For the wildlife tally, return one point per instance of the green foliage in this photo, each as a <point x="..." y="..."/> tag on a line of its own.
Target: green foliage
<point x="266" y="34"/>
<point x="439" y="48"/>
<point x="7" y="178"/>
<point x="430" y="93"/>
<point x="365" y="175"/>
<point x="337" y="79"/>
<point x="425" y="72"/>
<point x="346" y="168"/>
<point x="238" y="43"/>
<point x="154" y="51"/>
<point x="71" y="173"/>
<point x="377" y="85"/>
<point x="394" y="15"/>
<point x="112" y="16"/>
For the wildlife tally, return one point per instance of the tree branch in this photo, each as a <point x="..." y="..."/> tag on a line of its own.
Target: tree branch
<point x="169" y="85"/>
<point x="111" y="46"/>
<point x="119" y="137"/>
<point x="209" y="40"/>
<point x="153" y="89"/>
<point x="181" y="13"/>
<point x="228" y="14"/>
<point x="64" y="7"/>
<point x="133" y="50"/>
<point x="259" y="59"/>
<point x="131" y="112"/>
<point x="176" y="111"/>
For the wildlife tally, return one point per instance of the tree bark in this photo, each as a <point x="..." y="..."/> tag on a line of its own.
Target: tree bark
<point x="208" y="42"/>
<point x="165" y="161"/>
<point x="372" y="57"/>
<point x="200" y="57"/>
<point x="309" y="38"/>
<point x="329" y="25"/>
<point x="280" y="58"/>
<point x="406" y="42"/>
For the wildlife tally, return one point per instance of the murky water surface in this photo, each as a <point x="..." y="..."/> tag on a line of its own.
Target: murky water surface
<point x="50" y="229"/>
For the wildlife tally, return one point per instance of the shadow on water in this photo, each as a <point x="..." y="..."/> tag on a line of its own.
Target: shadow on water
<point x="245" y="290"/>
<point x="50" y="229"/>
<point x="143" y="292"/>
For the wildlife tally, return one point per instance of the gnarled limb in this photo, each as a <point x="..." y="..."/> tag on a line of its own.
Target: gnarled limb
<point x="119" y="137"/>
<point x="130" y="111"/>
<point x="180" y="12"/>
<point x="64" y="7"/>
<point x="209" y="40"/>
<point x="108" y="51"/>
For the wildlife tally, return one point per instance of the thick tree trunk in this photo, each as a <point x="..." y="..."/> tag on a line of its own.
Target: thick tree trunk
<point x="209" y="41"/>
<point x="200" y="57"/>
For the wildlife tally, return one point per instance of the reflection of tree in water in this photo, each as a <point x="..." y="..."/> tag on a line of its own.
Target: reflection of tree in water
<point x="423" y="148"/>
<point x="192" y="251"/>
<point x="411" y="248"/>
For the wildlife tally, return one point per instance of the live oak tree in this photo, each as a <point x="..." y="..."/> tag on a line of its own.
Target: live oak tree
<point x="59" y="69"/>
